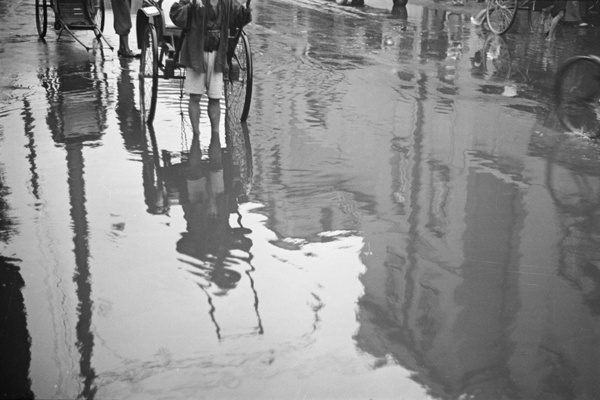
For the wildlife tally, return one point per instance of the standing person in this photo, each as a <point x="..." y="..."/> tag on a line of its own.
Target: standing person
<point x="122" y="25"/>
<point x="204" y="53"/>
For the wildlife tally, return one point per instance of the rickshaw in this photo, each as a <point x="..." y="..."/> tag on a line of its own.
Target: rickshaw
<point x="70" y="16"/>
<point x="160" y="42"/>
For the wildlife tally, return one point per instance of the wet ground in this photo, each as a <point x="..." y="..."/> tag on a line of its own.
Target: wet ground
<point x="402" y="217"/>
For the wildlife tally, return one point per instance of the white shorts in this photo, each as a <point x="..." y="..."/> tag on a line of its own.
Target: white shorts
<point x="209" y="83"/>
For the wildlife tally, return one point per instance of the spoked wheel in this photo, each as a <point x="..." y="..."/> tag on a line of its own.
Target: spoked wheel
<point x="573" y="176"/>
<point x="149" y="73"/>
<point x="501" y="15"/>
<point x="41" y="17"/>
<point x="238" y="85"/>
<point x="577" y="95"/>
<point x="95" y="13"/>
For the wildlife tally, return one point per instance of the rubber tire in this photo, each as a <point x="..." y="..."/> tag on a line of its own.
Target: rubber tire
<point x="41" y="17"/>
<point x="149" y="73"/>
<point x="241" y="89"/>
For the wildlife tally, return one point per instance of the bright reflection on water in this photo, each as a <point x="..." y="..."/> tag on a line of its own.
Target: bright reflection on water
<point x="402" y="217"/>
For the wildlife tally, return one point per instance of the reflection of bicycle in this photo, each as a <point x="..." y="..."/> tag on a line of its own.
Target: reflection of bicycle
<point x="577" y="95"/>
<point x="161" y="41"/>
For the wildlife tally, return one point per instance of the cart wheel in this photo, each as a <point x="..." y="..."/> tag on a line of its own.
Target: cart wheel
<point x="238" y="86"/>
<point x="95" y="13"/>
<point x="577" y="95"/>
<point x="501" y="14"/>
<point x="149" y="73"/>
<point x="41" y="17"/>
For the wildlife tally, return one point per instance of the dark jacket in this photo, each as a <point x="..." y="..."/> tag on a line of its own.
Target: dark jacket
<point x="192" y="51"/>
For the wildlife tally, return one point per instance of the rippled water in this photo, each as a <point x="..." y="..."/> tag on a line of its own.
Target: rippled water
<point x="403" y="217"/>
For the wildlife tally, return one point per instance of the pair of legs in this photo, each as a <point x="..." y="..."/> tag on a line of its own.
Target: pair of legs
<point x="210" y="185"/>
<point x="198" y="84"/>
<point x="122" y="25"/>
<point x="214" y="115"/>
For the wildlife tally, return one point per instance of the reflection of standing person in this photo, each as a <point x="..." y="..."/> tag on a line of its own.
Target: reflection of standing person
<point x="122" y="25"/>
<point x="204" y="52"/>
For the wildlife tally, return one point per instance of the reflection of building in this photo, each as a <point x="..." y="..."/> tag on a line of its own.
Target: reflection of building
<point x="464" y="284"/>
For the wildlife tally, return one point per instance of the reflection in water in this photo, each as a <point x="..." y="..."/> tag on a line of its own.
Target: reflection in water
<point x="76" y="93"/>
<point x="470" y="271"/>
<point x="573" y="179"/>
<point x="209" y="190"/>
<point x="459" y="265"/>
<point x="15" y="346"/>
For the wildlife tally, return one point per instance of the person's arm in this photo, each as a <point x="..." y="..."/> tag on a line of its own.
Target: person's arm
<point x="182" y="10"/>
<point x="241" y="15"/>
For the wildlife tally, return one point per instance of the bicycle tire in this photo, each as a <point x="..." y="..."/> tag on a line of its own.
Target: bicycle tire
<point x="238" y="85"/>
<point x="501" y="15"/>
<point x="41" y="17"/>
<point x="577" y="95"/>
<point x="148" y="75"/>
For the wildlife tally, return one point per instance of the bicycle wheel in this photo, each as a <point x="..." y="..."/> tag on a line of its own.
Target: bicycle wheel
<point x="95" y="13"/>
<point x="501" y="15"/>
<point x="577" y="95"/>
<point x="238" y="85"/>
<point x="149" y="73"/>
<point x="41" y="17"/>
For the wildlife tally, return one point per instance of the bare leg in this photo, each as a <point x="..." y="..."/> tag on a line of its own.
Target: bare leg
<point x="194" y="113"/>
<point x="214" y="114"/>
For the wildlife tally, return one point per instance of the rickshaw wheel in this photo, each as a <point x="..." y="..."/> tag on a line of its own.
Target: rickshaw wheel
<point x="501" y="14"/>
<point x="95" y="13"/>
<point x="577" y="95"/>
<point x="238" y="86"/>
<point x="41" y="17"/>
<point x="149" y="73"/>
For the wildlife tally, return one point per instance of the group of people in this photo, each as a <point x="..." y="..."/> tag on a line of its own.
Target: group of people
<point x="559" y="10"/>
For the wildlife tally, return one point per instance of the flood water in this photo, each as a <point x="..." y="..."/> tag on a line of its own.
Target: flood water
<point x="403" y="217"/>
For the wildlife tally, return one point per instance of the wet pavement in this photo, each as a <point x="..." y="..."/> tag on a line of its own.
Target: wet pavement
<point x="402" y="217"/>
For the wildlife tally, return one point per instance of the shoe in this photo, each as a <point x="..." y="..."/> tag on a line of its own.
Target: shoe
<point x="583" y="24"/>
<point x="128" y="54"/>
